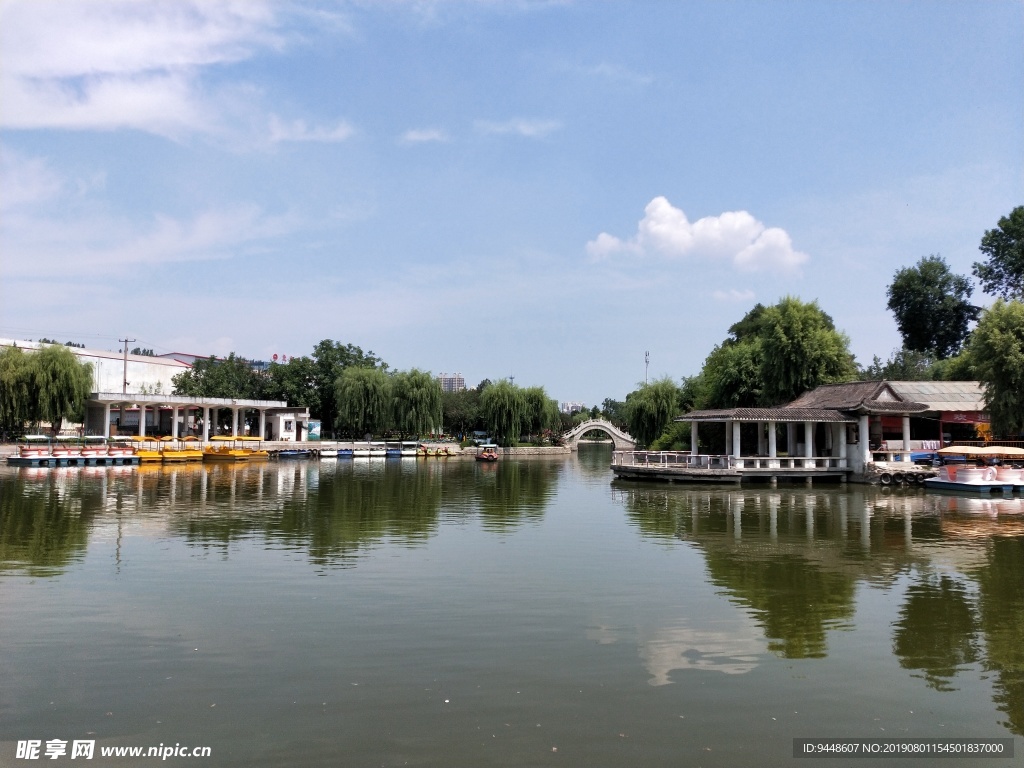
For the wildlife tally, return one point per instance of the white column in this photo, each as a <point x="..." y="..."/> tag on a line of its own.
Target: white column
<point x="808" y="439"/>
<point x="844" y="431"/>
<point x="106" y="420"/>
<point x="234" y="422"/>
<point x="693" y="438"/>
<point x="865" y="443"/>
<point x="263" y="423"/>
<point x="206" y="423"/>
<point x="142" y="419"/>
<point x="906" y="440"/>
<point x="736" y="452"/>
<point x="772" y="441"/>
<point x="174" y="421"/>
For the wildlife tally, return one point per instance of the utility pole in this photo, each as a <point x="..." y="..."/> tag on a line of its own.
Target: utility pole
<point x="124" y="379"/>
<point x="647" y="364"/>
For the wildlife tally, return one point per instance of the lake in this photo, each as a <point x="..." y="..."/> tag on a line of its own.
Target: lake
<point x="530" y="612"/>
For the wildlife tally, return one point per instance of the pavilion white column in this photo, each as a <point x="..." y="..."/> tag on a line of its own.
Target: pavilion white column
<point x="865" y="442"/>
<point x="206" y="423"/>
<point x="174" y="421"/>
<point x="142" y="419"/>
<point x="234" y="422"/>
<point x="906" y="440"/>
<point x="808" y="439"/>
<point x="736" y="440"/>
<point x="263" y="422"/>
<point x="106" y="420"/>
<point x="772" y="441"/>
<point x="844" y="432"/>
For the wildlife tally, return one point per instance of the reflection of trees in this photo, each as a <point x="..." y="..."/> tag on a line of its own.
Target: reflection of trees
<point x="509" y="492"/>
<point x="936" y="632"/>
<point x="1001" y="605"/>
<point x="44" y="525"/>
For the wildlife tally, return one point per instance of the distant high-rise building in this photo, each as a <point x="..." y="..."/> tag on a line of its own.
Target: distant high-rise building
<point x="573" y="407"/>
<point x="453" y="382"/>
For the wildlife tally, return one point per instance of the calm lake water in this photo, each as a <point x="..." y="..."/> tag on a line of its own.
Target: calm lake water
<point x="526" y="613"/>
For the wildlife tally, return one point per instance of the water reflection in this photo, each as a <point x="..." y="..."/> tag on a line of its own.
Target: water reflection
<point x="794" y="560"/>
<point x="330" y="511"/>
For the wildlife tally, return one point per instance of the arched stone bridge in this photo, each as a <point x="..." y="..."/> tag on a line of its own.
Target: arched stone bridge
<point x="622" y="441"/>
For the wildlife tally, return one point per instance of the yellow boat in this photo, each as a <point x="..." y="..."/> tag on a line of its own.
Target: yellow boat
<point x="185" y="449"/>
<point x="257" y="453"/>
<point x="147" y="449"/>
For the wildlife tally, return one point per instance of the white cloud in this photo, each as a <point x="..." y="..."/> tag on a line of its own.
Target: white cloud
<point x="734" y="236"/>
<point x="424" y="135"/>
<point x="531" y="129"/>
<point x="733" y="295"/>
<point x="27" y="181"/>
<point x="137" y="64"/>
<point x="298" y="130"/>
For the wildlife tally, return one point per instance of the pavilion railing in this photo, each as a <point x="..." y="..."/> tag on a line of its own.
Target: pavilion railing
<point x="687" y="460"/>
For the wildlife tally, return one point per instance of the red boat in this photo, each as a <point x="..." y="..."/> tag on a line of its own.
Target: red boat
<point x="489" y="453"/>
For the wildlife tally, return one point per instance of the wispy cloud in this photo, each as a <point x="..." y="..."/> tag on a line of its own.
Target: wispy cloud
<point x="134" y="64"/>
<point x="531" y="129"/>
<point x="733" y="236"/>
<point x="424" y="136"/>
<point x="733" y="295"/>
<point x="299" y="130"/>
<point x="27" y="180"/>
<point x="615" y="73"/>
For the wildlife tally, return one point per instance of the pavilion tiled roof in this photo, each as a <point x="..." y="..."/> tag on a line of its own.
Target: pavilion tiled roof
<point x="769" y="414"/>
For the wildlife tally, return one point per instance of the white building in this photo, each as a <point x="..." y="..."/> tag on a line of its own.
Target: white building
<point x="573" y="407"/>
<point x="451" y="382"/>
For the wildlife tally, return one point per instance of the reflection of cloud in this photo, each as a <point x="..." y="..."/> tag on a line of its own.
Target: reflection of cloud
<point x="734" y="236"/>
<point x="722" y="647"/>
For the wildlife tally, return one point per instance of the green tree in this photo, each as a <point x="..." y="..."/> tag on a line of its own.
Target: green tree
<point x="1003" y="273"/>
<point x="931" y="307"/>
<point x="800" y="349"/>
<point x="363" y="400"/>
<point x="614" y="411"/>
<point x="62" y="385"/>
<point x="541" y="411"/>
<point x="504" y="410"/>
<point x="330" y="358"/>
<point x="651" y="408"/>
<point x="902" y="365"/>
<point x="417" y="402"/>
<point x="997" y="349"/>
<point x="732" y="375"/>
<point x="295" y="383"/>
<point x="233" y="377"/>
<point x="461" y="411"/>
<point x="16" y="389"/>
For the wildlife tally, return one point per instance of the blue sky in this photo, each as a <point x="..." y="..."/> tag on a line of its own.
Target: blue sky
<point x="538" y="189"/>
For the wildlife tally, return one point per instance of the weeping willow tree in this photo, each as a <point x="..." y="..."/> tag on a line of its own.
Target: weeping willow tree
<point x="16" y="389"/>
<point x="364" y="400"/>
<point x="417" y="402"/>
<point x="541" y="411"/>
<point x="650" y="409"/>
<point x="504" y="408"/>
<point x="61" y="383"/>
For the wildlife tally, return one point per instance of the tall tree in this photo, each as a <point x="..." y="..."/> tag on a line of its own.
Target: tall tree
<point x="62" y="385"/>
<point x="902" y="365"/>
<point x="330" y="358"/>
<point x="16" y="389"/>
<point x="651" y="409"/>
<point x="363" y="400"/>
<point x="461" y="411"/>
<point x="931" y="307"/>
<point x="541" y="411"/>
<point x="1003" y="273"/>
<point x="997" y="352"/>
<point x="232" y="377"/>
<point x="295" y="383"/>
<point x="504" y="409"/>
<point x="801" y="349"/>
<point x="732" y="375"/>
<point x="416" y="400"/>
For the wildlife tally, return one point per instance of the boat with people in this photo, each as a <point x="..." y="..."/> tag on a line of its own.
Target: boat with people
<point x="487" y="452"/>
<point x="994" y="468"/>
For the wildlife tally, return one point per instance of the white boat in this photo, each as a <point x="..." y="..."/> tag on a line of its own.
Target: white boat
<point x="409" y="449"/>
<point x="378" y="451"/>
<point x="329" y="453"/>
<point x="976" y="479"/>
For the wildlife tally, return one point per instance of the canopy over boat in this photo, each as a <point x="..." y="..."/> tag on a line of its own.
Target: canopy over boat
<point x="981" y="450"/>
